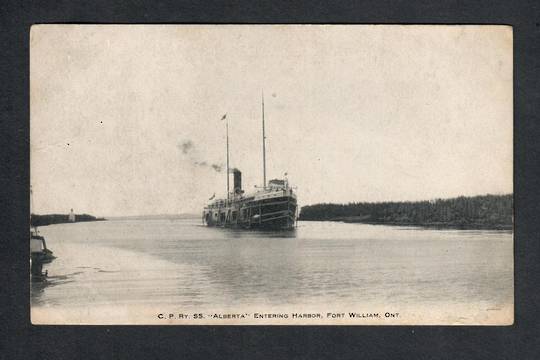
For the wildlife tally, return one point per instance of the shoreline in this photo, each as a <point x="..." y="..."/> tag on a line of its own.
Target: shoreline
<point x="71" y="222"/>
<point x="53" y="219"/>
<point x="441" y="226"/>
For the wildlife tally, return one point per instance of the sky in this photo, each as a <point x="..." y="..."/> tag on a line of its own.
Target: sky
<point x="126" y="120"/>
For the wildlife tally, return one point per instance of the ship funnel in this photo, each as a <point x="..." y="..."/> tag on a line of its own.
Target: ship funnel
<point x="237" y="181"/>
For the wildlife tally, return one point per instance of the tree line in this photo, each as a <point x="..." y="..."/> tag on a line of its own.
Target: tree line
<point x="485" y="211"/>
<point x="42" y="220"/>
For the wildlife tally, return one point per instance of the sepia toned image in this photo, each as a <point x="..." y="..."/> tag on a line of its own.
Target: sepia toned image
<point x="271" y="174"/>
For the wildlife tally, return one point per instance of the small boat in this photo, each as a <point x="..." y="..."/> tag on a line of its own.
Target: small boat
<point x="38" y="248"/>
<point x="39" y="253"/>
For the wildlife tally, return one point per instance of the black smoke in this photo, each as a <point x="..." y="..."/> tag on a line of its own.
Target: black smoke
<point x="188" y="149"/>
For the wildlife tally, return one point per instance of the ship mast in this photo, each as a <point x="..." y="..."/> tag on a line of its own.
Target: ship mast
<point x="263" y="144"/>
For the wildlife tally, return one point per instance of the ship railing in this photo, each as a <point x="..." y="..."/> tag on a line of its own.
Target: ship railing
<point x="267" y="204"/>
<point x="278" y="217"/>
<point x="284" y="212"/>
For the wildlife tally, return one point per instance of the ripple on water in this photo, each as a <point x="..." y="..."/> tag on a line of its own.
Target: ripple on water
<point x="181" y="262"/>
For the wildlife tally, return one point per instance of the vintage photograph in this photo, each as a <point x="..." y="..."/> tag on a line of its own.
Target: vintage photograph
<point x="271" y="175"/>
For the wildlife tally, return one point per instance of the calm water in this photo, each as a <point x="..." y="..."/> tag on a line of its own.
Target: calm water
<point x="182" y="263"/>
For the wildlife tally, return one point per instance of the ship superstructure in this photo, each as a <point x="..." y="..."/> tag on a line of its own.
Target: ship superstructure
<point x="271" y="206"/>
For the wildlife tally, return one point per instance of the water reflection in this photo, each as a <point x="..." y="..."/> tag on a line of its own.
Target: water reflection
<point x="37" y="288"/>
<point x="251" y="233"/>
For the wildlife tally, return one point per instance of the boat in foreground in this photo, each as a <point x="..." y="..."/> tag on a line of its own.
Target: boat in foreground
<point x="39" y="255"/>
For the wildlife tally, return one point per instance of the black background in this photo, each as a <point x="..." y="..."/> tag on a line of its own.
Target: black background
<point x="21" y="340"/>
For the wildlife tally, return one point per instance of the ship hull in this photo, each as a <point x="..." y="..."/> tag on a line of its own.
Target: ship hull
<point x="273" y="212"/>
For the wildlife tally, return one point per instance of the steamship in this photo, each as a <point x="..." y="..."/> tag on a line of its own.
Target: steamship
<point x="271" y="206"/>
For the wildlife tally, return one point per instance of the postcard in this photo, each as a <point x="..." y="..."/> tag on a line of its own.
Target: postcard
<point x="271" y="174"/>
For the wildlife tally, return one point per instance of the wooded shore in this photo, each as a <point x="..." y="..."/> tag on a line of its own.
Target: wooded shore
<point x="476" y="212"/>
<point x="49" y="219"/>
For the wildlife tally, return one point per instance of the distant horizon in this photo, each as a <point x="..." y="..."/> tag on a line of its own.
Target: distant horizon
<point x="197" y="214"/>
